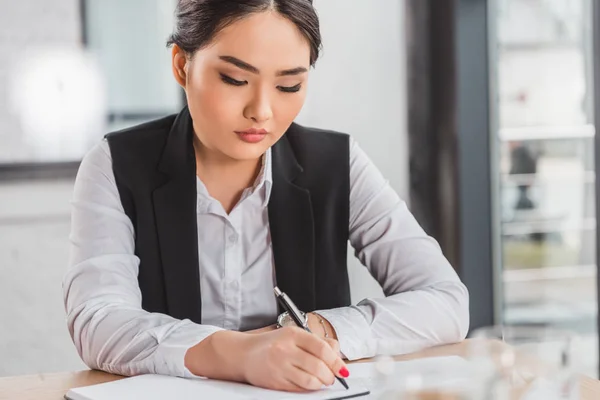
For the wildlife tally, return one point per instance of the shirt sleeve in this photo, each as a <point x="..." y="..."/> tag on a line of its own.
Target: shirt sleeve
<point x="425" y="305"/>
<point x="102" y="297"/>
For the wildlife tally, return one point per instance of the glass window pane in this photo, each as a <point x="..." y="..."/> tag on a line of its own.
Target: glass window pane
<point x="131" y="54"/>
<point x="546" y="165"/>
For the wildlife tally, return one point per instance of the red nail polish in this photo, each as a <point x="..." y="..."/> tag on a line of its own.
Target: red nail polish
<point x="344" y="372"/>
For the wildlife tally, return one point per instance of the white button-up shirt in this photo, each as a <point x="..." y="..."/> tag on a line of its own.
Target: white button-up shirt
<point x="425" y="304"/>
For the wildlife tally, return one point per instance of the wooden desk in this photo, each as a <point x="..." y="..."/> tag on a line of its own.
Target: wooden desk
<point x="54" y="386"/>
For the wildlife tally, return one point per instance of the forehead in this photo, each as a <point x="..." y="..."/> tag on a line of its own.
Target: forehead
<point x="266" y="40"/>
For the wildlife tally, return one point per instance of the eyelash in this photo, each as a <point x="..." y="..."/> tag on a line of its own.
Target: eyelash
<point x="234" y="82"/>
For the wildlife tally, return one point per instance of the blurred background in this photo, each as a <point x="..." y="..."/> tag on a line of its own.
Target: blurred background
<point x="479" y="112"/>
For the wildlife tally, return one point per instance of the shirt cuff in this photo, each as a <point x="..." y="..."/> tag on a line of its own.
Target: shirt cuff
<point x="171" y="352"/>
<point x="353" y="332"/>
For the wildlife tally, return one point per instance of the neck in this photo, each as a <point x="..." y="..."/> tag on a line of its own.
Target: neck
<point x="211" y="162"/>
<point x="225" y="178"/>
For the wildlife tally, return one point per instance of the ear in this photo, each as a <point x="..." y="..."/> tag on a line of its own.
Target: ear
<point x="180" y="65"/>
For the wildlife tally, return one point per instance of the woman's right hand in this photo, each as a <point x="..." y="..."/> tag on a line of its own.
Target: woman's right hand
<point x="288" y="359"/>
<point x="291" y="359"/>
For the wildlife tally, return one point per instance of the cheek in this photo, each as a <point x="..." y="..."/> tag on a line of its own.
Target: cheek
<point x="213" y="103"/>
<point x="287" y="107"/>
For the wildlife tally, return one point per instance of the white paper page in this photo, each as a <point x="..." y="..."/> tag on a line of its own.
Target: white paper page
<point x="157" y="387"/>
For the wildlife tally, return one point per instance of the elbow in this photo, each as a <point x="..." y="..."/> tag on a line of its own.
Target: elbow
<point x="455" y="296"/>
<point x="95" y="352"/>
<point x="460" y="303"/>
<point x="463" y="315"/>
<point x="104" y="329"/>
<point x="88" y="325"/>
<point x="78" y="321"/>
<point x="79" y="329"/>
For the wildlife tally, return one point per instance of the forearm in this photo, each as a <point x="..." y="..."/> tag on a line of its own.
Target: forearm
<point x="113" y="333"/>
<point x="126" y="340"/>
<point x="402" y="323"/>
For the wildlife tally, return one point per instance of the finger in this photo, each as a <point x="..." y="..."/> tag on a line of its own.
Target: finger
<point x="292" y="387"/>
<point x="339" y="367"/>
<point x="322" y="350"/>
<point x="335" y="345"/>
<point x="303" y="379"/>
<point x="313" y="366"/>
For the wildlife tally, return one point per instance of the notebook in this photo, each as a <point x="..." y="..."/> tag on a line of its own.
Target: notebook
<point x="362" y="383"/>
<point x="160" y="387"/>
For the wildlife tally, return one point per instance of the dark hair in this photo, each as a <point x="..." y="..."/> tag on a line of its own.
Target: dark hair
<point x="198" y="21"/>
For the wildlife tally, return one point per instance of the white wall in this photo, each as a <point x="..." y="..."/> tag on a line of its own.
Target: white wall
<point x="359" y="87"/>
<point x="34" y="229"/>
<point x="34" y="218"/>
<point x="26" y="24"/>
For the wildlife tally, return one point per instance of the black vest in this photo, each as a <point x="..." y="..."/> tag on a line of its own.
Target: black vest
<point x="155" y="170"/>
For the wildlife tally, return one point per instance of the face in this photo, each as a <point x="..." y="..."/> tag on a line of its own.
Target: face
<point x="253" y="76"/>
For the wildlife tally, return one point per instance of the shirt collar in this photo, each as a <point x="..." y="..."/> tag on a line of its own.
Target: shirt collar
<point x="263" y="184"/>
<point x="264" y="180"/>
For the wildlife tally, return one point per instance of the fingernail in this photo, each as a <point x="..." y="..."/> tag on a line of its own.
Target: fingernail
<point x="344" y="372"/>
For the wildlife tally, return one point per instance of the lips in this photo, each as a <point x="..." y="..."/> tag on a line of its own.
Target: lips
<point x="252" y="131"/>
<point x="252" y="135"/>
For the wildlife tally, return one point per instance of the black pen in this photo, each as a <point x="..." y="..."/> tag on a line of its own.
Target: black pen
<point x="298" y="318"/>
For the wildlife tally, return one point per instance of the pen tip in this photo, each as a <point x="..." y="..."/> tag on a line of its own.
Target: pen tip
<point x="344" y="383"/>
<point x="277" y="291"/>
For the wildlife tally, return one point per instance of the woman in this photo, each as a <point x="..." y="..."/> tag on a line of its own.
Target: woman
<point x="181" y="227"/>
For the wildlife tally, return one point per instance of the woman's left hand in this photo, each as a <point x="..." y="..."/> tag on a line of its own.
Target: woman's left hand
<point x="314" y="325"/>
<point x="319" y="329"/>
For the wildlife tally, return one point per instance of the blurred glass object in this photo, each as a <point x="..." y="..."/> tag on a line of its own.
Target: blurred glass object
<point x="442" y="378"/>
<point x="545" y="137"/>
<point x="59" y="98"/>
<point x="527" y="362"/>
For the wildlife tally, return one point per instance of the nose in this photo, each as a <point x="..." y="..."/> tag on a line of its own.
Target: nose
<point x="259" y="109"/>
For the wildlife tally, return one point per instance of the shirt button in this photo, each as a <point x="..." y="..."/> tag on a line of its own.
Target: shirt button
<point x="233" y="238"/>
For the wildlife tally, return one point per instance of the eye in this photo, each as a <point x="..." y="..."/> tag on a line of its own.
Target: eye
<point x="290" y="89"/>
<point x="230" y="81"/>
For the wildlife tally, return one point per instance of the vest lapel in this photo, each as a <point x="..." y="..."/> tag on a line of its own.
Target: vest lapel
<point x="292" y="228"/>
<point x="175" y="214"/>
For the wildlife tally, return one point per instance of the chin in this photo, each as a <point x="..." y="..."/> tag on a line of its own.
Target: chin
<point x="247" y="152"/>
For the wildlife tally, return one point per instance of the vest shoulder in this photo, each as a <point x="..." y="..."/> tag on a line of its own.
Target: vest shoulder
<point x="317" y="141"/>
<point x="320" y="151"/>
<point x="142" y="132"/>
<point x="303" y="133"/>
<point x="136" y="151"/>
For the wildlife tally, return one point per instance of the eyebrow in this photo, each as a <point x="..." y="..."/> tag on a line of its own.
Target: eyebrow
<point x="250" y="68"/>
